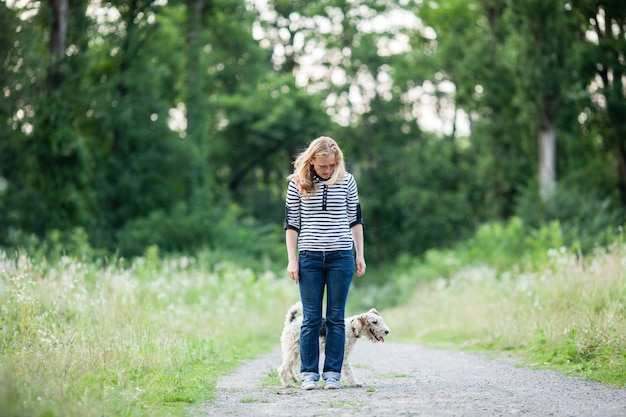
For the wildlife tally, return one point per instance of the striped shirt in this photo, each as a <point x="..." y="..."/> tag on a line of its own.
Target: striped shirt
<point x="324" y="220"/>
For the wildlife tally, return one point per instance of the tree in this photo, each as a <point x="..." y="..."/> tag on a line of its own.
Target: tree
<point x="603" y="24"/>
<point x="461" y="46"/>
<point x="136" y="70"/>
<point x="543" y="46"/>
<point x="195" y="103"/>
<point x="48" y="186"/>
<point x="11" y="114"/>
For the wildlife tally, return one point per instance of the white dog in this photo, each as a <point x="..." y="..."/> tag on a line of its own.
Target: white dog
<point x="370" y="325"/>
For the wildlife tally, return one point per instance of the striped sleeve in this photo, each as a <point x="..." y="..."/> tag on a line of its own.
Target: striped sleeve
<point x="292" y="207"/>
<point x="354" y="206"/>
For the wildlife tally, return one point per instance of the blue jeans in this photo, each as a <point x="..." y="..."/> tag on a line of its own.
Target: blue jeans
<point x="331" y="271"/>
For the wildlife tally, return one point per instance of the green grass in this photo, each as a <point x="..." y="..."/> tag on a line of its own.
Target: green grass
<point x="569" y="314"/>
<point x="148" y="338"/>
<point x="254" y="400"/>
<point x="393" y="376"/>
<point x="345" y="404"/>
<point x="271" y="379"/>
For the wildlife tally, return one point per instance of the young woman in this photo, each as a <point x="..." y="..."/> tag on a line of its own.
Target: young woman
<point x="323" y="225"/>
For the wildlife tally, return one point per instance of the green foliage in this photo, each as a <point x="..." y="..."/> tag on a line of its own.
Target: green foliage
<point x="251" y="156"/>
<point x="55" y="245"/>
<point x="597" y="61"/>
<point x="587" y="219"/>
<point x="541" y="50"/>
<point x="407" y="210"/>
<point x="223" y="228"/>
<point x="159" y="105"/>
<point x="469" y="52"/>
<point x="502" y="245"/>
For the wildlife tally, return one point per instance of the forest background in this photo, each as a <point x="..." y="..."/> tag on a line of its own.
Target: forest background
<point x="128" y="124"/>
<point x="144" y="150"/>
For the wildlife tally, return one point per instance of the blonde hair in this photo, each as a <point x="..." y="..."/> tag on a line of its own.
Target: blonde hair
<point x="303" y="170"/>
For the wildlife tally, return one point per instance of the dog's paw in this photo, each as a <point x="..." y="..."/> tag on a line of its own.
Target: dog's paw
<point x="349" y="382"/>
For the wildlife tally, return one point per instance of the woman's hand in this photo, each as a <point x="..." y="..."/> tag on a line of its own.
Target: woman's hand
<point x="360" y="266"/>
<point x="293" y="270"/>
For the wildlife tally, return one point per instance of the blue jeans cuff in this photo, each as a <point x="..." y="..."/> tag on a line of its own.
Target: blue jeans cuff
<point x="313" y="375"/>
<point x="331" y="374"/>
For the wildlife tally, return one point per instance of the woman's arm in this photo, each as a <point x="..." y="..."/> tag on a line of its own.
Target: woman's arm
<point x="291" y="239"/>
<point x="357" y="236"/>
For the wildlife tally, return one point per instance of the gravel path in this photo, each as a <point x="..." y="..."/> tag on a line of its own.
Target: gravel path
<point x="411" y="380"/>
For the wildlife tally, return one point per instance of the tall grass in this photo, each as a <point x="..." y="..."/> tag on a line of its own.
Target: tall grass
<point x="147" y="338"/>
<point x="569" y="313"/>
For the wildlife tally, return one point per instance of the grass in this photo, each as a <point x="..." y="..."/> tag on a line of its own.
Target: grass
<point x="345" y="404"/>
<point x="254" y="400"/>
<point x="271" y="379"/>
<point x="393" y="376"/>
<point x="146" y="338"/>
<point x="150" y="337"/>
<point x="569" y="314"/>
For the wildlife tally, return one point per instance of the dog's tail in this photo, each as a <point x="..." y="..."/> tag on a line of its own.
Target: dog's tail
<point x="293" y="312"/>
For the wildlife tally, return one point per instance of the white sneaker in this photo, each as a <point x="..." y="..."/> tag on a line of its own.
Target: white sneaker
<point x="309" y="384"/>
<point x="332" y="383"/>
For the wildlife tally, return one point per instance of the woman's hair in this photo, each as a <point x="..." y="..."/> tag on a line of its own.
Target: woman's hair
<point x="303" y="170"/>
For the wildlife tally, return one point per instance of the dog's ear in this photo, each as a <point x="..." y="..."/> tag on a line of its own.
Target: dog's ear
<point x="363" y="319"/>
<point x="374" y="311"/>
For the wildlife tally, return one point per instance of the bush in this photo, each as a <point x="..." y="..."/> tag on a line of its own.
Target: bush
<point x="185" y="230"/>
<point x="587" y="219"/>
<point x="54" y="245"/>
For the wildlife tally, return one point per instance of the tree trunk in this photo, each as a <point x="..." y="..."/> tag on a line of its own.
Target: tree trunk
<point x="620" y="154"/>
<point x="192" y="68"/>
<point x="196" y="109"/>
<point x="58" y="37"/>
<point x="547" y="162"/>
<point x="58" y="40"/>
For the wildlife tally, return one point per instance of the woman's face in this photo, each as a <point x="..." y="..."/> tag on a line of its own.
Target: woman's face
<point x="324" y="166"/>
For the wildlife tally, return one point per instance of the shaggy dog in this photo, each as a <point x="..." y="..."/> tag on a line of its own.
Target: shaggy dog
<point x="370" y="325"/>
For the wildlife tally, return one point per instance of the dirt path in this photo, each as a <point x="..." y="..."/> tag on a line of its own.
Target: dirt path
<point x="410" y="380"/>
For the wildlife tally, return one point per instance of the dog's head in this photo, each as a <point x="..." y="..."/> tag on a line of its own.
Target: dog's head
<point x="372" y="325"/>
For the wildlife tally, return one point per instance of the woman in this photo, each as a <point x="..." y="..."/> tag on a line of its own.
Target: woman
<point x="323" y="221"/>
